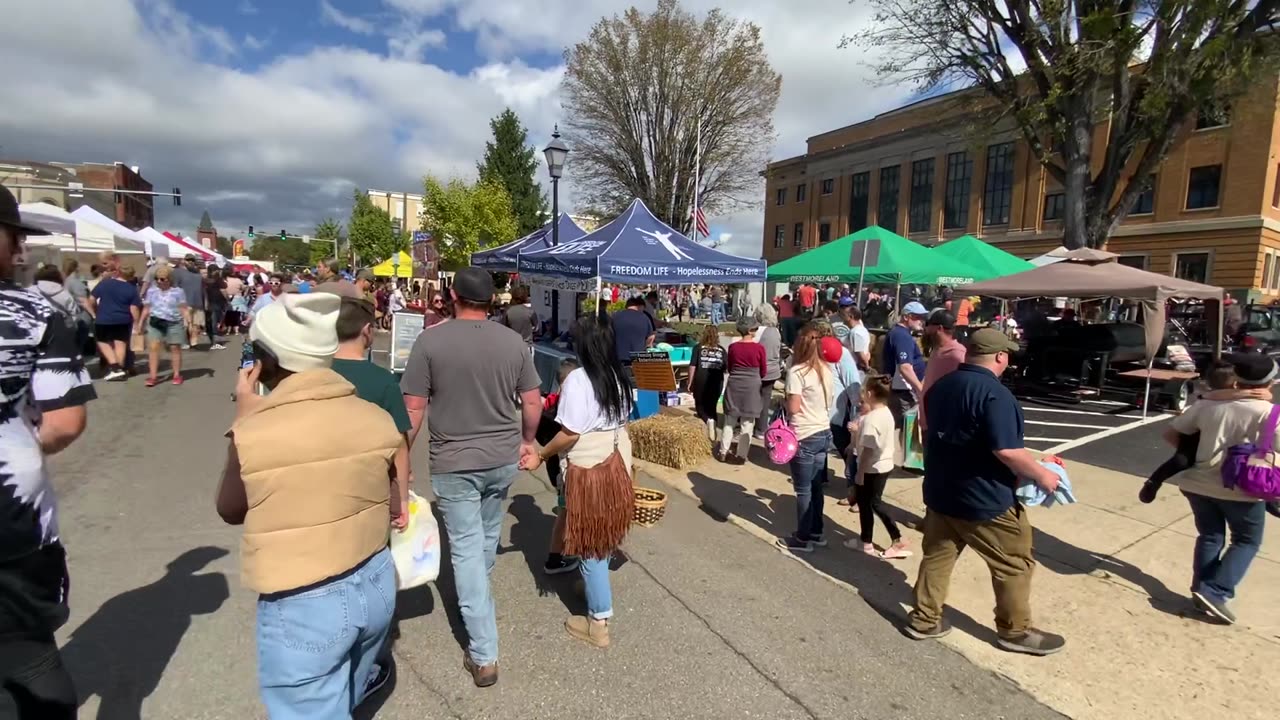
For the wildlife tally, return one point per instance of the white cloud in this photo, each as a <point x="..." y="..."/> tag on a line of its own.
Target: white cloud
<point x="282" y="144"/>
<point x="246" y="7"/>
<point x="334" y="16"/>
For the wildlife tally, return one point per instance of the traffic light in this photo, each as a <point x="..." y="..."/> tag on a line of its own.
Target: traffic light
<point x="250" y="232"/>
<point x="177" y="197"/>
<point x="284" y="235"/>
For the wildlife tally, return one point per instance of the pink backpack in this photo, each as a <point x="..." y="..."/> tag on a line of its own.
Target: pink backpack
<point x="1250" y="467"/>
<point x="781" y="440"/>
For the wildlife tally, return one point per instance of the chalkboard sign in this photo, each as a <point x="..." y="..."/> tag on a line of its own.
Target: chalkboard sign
<point x="653" y="371"/>
<point x="405" y="327"/>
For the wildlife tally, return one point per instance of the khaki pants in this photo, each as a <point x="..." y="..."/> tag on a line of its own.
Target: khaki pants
<point x="1003" y="543"/>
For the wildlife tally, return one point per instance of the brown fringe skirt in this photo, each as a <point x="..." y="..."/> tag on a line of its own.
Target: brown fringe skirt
<point x="598" y="498"/>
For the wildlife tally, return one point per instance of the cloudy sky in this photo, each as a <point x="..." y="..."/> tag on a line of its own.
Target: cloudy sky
<point x="268" y="112"/>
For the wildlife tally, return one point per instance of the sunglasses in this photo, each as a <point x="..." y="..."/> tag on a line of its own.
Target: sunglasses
<point x="437" y="301"/>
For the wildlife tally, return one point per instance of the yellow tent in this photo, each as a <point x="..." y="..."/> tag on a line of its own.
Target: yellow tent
<point x="386" y="269"/>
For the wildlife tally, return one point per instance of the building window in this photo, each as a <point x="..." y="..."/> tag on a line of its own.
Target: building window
<point x="887" y="208"/>
<point x="1193" y="266"/>
<point x="828" y="186"/>
<point x="1053" y="205"/>
<point x="1275" y="192"/>
<point x="955" y="207"/>
<point x="800" y="192"/>
<point x="1133" y="261"/>
<point x="782" y="196"/>
<point x="999" y="189"/>
<point x="1202" y="187"/>
<point x="1146" y="202"/>
<point x="824" y="233"/>
<point x="1266" y="270"/>
<point x="1213" y="114"/>
<point x="799" y="238"/>
<point x="920" y="211"/>
<point x="779" y="235"/>
<point x="859" y="198"/>
<point x="1275" y="275"/>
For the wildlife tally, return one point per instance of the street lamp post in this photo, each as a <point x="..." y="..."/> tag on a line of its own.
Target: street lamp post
<point x="556" y="153"/>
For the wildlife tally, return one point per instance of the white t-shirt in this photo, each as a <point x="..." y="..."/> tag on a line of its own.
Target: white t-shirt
<point x="875" y="441"/>
<point x="577" y="411"/>
<point x="817" y="394"/>
<point x="860" y="339"/>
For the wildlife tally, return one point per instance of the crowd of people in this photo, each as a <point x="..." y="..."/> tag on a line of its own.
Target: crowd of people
<point x="318" y="503"/>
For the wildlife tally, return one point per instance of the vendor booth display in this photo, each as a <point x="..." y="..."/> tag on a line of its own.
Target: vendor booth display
<point x="1092" y="274"/>
<point x="404" y="269"/>
<point x="636" y="248"/>
<point x="891" y="259"/>
<point x="504" y="257"/>
<point x="988" y="260"/>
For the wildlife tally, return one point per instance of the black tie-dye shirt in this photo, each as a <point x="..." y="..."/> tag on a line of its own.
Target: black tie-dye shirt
<point x="40" y="370"/>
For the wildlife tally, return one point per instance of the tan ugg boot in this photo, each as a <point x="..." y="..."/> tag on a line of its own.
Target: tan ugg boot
<point x="595" y="632"/>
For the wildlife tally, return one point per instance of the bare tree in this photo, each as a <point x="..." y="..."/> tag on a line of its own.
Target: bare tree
<point x="637" y="90"/>
<point x="1057" y="69"/>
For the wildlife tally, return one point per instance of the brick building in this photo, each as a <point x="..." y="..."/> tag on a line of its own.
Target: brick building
<point x="1212" y="213"/>
<point x="133" y="211"/>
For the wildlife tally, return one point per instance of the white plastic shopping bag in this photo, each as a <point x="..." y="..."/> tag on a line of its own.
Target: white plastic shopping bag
<point x="416" y="551"/>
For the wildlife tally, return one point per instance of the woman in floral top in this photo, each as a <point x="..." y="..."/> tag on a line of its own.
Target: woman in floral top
<point x="165" y="318"/>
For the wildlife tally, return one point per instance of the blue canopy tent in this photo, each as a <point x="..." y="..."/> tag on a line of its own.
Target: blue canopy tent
<point x="636" y="248"/>
<point x="503" y="258"/>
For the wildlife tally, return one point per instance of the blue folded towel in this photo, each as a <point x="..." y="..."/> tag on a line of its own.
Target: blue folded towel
<point x="1030" y="493"/>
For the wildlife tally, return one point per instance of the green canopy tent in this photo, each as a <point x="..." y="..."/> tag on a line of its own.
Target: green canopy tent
<point x="990" y="261"/>
<point x="898" y="260"/>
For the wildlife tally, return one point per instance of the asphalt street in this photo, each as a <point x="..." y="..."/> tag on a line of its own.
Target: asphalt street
<point x="711" y="623"/>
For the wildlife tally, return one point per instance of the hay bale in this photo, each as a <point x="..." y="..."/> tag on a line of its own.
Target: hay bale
<point x="676" y="440"/>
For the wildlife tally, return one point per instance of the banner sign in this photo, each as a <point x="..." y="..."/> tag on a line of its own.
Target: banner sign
<point x="405" y="329"/>
<point x="653" y="371"/>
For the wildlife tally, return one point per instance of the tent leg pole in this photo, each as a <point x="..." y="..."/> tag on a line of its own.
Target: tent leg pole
<point x="1146" y="393"/>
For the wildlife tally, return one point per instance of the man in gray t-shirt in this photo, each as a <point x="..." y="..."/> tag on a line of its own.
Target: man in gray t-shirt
<point x="521" y="316"/>
<point x="477" y="380"/>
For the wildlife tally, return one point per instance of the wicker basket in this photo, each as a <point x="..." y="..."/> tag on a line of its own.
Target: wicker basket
<point x="649" y="508"/>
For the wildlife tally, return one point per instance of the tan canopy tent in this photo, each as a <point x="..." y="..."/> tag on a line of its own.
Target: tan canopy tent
<point x="1095" y="274"/>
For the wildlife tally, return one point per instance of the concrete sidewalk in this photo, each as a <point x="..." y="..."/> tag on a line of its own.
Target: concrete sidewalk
<point x="1113" y="579"/>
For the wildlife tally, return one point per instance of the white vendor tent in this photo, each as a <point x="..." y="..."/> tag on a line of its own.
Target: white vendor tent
<point x="104" y="223"/>
<point x="160" y="245"/>
<point x="87" y="236"/>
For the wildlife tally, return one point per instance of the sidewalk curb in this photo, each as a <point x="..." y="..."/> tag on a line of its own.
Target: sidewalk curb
<point x="656" y="472"/>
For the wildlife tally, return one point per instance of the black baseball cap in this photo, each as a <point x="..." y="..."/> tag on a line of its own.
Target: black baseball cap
<point x="942" y="319"/>
<point x="10" y="216"/>
<point x="473" y="284"/>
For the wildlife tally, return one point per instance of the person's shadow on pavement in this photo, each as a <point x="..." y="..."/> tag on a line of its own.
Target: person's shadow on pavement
<point x="531" y="536"/>
<point x="121" y="652"/>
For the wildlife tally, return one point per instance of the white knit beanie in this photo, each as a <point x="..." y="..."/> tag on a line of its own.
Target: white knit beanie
<point x="300" y="329"/>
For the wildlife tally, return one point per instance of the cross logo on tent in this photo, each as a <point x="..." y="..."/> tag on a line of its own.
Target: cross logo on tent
<point x="664" y="239"/>
<point x="579" y="247"/>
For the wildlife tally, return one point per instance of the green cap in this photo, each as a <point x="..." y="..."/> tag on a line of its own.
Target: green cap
<point x="989" y="341"/>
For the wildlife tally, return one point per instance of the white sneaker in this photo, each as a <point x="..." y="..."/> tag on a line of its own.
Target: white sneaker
<point x="217" y="346"/>
<point x="114" y="375"/>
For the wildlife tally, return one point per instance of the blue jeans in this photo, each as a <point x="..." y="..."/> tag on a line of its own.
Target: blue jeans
<point x="471" y="505"/>
<point x="808" y="474"/>
<point x="1216" y="573"/>
<point x="595" y="580"/>
<point x="717" y="313"/>
<point x="316" y="648"/>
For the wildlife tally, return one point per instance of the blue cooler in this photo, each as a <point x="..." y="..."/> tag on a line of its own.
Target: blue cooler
<point x="646" y="404"/>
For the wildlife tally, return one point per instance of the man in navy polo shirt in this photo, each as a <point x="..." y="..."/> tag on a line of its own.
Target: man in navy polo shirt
<point x="974" y="458"/>
<point x="903" y="360"/>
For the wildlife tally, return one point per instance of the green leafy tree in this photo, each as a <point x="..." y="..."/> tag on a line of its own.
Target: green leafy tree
<point x="1065" y="74"/>
<point x="511" y="161"/>
<point x="369" y="231"/>
<point x="223" y="246"/>
<point x="290" y="252"/>
<point x="324" y="242"/>
<point x="466" y="217"/>
<point x="638" y="89"/>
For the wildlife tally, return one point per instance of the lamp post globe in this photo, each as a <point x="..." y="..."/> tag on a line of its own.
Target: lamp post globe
<point x="556" y="153"/>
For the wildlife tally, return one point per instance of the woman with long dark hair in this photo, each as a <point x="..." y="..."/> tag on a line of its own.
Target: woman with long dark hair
<point x="595" y="401"/>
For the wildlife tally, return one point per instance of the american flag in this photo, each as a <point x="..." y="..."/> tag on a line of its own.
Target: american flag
<point x="700" y="223"/>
